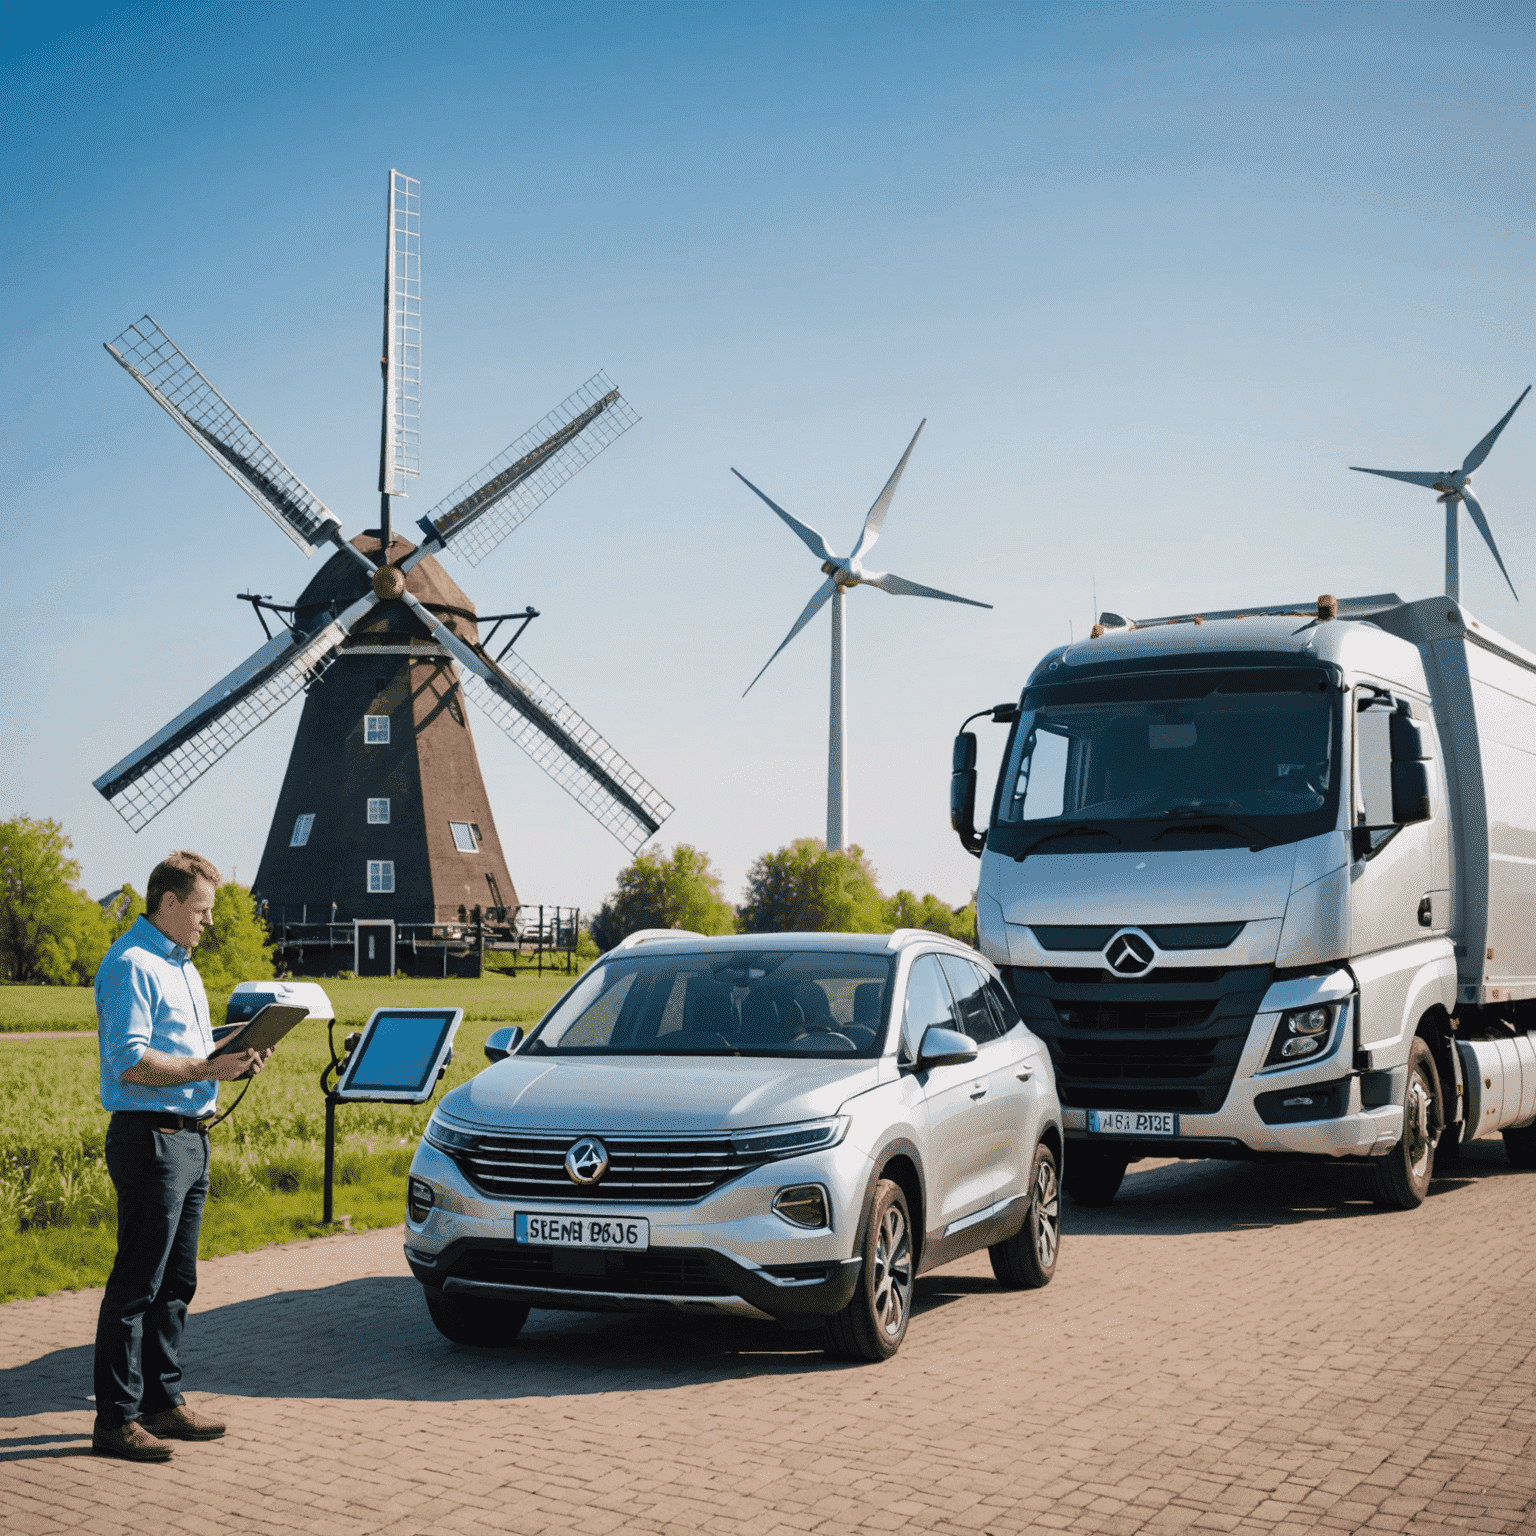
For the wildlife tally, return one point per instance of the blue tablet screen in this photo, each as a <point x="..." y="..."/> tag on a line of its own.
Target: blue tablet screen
<point x="400" y="1052"/>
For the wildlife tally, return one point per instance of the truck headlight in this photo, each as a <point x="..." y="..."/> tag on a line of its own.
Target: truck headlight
<point x="1303" y="1033"/>
<point x="802" y="1205"/>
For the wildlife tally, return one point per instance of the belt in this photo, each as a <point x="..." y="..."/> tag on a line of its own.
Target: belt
<point x="161" y="1120"/>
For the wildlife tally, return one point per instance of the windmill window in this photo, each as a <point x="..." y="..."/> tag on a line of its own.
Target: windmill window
<point x="381" y="876"/>
<point x="463" y="836"/>
<point x="378" y="813"/>
<point x="301" y="829"/>
<point x="454" y="710"/>
<point x="376" y="730"/>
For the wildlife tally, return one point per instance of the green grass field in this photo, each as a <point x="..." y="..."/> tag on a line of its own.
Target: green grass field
<point x="57" y="1208"/>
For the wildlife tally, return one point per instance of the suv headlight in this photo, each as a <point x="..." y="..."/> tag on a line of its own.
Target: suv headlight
<point x="1303" y="1034"/>
<point x="443" y="1135"/>
<point x="777" y="1141"/>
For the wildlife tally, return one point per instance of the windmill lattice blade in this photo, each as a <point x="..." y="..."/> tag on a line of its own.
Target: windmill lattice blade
<point x="874" y="521"/>
<point x="154" y="774"/>
<point x="1475" y="508"/>
<point x="222" y="433"/>
<point x="1430" y="479"/>
<point x="807" y="535"/>
<point x="476" y="517"/>
<point x="888" y="581"/>
<point x="564" y="745"/>
<point x="401" y="460"/>
<point x="1480" y="453"/>
<point x="823" y="592"/>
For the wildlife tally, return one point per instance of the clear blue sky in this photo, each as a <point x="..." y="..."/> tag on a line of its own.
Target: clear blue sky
<point x="1155" y="274"/>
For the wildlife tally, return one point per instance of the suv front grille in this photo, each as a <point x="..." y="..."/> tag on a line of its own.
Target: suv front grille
<point x="659" y="1272"/>
<point x="530" y="1165"/>
<point x="1167" y="1041"/>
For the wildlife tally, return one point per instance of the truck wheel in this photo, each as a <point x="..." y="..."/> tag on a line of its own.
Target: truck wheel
<point x="1027" y="1260"/>
<point x="1520" y="1146"/>
<point x="873" y="1324"/>
<point x="479" y="1324"/>
<point x="1400" y="1180"/>
<point x="1093" y="1174"/>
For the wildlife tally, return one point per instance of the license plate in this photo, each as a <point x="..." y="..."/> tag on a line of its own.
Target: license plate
<point x="1132" y="1122"/>
<point x="622" y="1232"/>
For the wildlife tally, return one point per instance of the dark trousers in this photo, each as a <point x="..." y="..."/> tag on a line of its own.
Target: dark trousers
<point x="162" y="1181"/>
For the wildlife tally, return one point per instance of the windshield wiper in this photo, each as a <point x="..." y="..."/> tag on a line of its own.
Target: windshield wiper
<point x="1195" y="815"/>
<point x="1081" y="830"/>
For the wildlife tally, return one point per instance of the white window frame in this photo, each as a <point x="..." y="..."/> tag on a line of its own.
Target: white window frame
<point x="375" y="730"/>
<point x="379" y="877"/>
<point x="467" y="828"/>
<point x="302" y="827"/>
<point x="378" y="811"/>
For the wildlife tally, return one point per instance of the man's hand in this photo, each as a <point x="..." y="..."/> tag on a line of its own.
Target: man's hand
<point x="157" y="1069"/>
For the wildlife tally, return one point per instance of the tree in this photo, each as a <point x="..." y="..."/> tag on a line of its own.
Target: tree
<point x="661" y="891"/>
<point x="904" y="910"/>
<point x="806" y="888"/>
<point x="39" y="912"/>
<point x="235" y="948"/>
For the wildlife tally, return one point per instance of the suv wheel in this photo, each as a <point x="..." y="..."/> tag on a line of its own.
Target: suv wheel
<point x="480" y="1324"/>
<point x="873" y="1324"/>
<point x="1027" y="1260"/>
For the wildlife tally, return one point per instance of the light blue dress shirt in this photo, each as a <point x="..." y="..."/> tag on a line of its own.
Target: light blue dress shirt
<point x="149" y="996"/>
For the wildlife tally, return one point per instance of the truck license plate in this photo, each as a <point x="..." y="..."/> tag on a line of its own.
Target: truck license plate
<point x="1132" y="1122"/>
<point x="620" y="1232"/>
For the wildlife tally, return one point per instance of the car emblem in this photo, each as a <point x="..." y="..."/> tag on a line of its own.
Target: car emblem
<point x="587" y="1161"/>
<point x="1130" y="953"/>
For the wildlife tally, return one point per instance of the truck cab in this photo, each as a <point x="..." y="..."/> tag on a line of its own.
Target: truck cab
<point x="1242" y="871"/>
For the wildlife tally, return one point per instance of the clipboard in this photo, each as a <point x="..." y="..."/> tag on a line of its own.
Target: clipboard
<point x="260" y="1033"/>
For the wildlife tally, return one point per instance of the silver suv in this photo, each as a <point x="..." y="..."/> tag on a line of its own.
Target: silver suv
<point x="791" y="1126"/>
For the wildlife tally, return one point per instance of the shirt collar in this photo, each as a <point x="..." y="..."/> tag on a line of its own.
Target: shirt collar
<point x="145" y="933"/>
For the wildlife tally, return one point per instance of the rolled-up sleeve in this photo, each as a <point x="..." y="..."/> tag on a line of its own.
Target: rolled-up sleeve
<point x="125" y="1007"/>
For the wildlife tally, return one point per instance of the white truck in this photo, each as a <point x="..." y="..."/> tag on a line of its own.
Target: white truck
<point x="1265" y="883"/>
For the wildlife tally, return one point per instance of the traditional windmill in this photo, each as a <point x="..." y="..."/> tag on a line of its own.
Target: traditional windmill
<point x="383" y="815"/>
<point x="844" y="573"/>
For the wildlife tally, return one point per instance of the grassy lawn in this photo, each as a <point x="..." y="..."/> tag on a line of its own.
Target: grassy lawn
<point x="58" y="1211"/>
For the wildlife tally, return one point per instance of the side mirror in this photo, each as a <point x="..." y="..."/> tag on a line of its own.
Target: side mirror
<point x="501" y="1043"/>
<point x="942" y="1047"/>
<point x="1410" y="792"/>
<point x="962" y="793"/>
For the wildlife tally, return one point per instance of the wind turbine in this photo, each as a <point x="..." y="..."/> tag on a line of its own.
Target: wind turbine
<point x="843" y="573"/>
<point x="1454" y="486"/>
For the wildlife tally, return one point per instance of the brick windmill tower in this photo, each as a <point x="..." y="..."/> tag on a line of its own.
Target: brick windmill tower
<point x="383" y="830"/>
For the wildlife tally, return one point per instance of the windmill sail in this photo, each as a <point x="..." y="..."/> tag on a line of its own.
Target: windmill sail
<point x="476" y="517"/>
<point x="400" y="461"/>
<point x="569" y="750"/>
<point x="175" y="757"/>
<point x="222" y="433"/>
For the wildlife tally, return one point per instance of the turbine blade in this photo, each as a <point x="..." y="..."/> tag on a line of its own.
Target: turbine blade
<point x="1475" y="508"/>
<point x="823" y="592"/>
<point x="564" y="745"/>
<point x="1480" y="453"/>
<point x="887" y="581"/>
<point x="807" y="535"/>
<point x="155" y="773"/>
<point x="874" y="520"/>
<point x="1429" y="479"/>
<point x="192" y="402"/>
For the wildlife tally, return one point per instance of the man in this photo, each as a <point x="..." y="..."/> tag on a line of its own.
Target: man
<point x="161" y="1085"/>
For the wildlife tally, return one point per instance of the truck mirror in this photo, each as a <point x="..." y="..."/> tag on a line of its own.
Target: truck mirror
<point x="962" y="793"/>
<point x="1410" y="740"/>
<point x="1410" y="792"/>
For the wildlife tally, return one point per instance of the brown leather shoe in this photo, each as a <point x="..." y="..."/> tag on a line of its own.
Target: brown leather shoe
<point x="131" y="1442"/>
<point x="180" y="1423"/>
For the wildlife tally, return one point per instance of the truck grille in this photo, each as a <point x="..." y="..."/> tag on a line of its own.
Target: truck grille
<point x="531" y="1166"/>
<point x="657" y="1273"/>
<point x="1172" y="1043"/>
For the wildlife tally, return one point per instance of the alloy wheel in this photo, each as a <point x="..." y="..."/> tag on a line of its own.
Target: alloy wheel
<point x="1047" y="1214"/>
<point x="893" y="1273"/>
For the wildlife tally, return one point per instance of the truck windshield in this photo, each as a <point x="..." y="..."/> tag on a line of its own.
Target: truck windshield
<point x="769" y="1002"/>
<point x="1255" y="742"/>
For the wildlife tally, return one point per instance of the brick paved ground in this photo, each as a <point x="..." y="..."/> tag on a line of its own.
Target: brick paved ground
<point x="1227" y="1348"/>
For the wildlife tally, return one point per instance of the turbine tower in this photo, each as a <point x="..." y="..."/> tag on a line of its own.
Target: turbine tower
<point x="1455" y="487"/>
<point x="843" y="573"/>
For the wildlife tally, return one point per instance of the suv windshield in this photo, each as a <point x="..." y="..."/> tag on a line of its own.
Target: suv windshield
<point x="768" y="1002"/>
<point x="1251" y="745"/>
